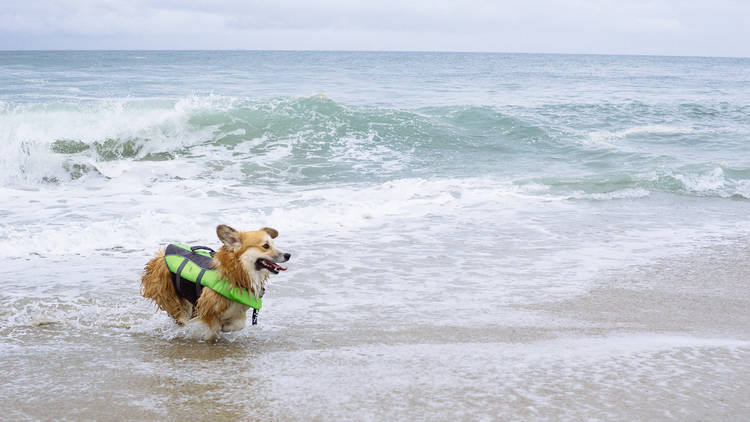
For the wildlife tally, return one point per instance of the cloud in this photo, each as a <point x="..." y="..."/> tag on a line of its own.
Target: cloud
<point x="565" y="26"/>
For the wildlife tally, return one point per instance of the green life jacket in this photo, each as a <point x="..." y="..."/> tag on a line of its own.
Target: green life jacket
<point x="196" y="266"/>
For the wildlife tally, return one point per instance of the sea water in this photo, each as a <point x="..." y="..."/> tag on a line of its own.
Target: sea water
<point x="473" y="236"/>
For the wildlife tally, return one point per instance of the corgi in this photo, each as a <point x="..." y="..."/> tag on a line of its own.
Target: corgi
<point x="245" y="260"/>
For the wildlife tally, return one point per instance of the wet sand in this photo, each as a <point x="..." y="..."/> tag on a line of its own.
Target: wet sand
<point x="665" y="341"/>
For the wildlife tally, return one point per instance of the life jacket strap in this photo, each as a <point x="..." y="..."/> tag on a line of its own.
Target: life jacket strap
<point x="198" y="285"/>
<point x="255" y="311"/>
<point x="176" y="279"/>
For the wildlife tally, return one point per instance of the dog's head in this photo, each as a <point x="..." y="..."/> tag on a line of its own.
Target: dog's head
<point x="255" y="248"/>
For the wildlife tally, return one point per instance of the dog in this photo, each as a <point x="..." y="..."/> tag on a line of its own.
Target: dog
<point x="245" y="260"/>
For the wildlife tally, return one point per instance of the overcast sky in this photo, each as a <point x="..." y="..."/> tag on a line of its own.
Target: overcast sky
<point x="669" y="27"/>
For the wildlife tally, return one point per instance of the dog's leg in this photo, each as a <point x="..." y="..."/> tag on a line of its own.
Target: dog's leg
<point x="186" y="313"/>
<point x="233" y="325"/>
<point x="233" y="319"/>
<point x="209" y="309"/>
<point x="209" y="331"/>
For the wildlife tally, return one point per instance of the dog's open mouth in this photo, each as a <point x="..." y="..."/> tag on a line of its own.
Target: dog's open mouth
<point x="269" y="265"/>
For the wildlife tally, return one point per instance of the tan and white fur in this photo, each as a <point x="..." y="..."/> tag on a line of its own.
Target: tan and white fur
<point x="241" y="260"/>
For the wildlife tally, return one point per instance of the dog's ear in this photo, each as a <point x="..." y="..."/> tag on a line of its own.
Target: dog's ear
<point x="271" y="232"/>
<point x="229" y="236"/>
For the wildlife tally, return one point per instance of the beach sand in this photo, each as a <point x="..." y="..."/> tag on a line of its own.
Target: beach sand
<point x="668" y="340"/>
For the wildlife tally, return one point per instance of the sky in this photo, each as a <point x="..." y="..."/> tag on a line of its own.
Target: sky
<point x="654" y="27"/>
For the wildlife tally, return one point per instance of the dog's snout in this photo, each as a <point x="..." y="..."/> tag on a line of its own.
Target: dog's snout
<point x="287" y="256"/>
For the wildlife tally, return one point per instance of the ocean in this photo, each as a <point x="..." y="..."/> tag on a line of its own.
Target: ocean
<point x="473" y="236"/>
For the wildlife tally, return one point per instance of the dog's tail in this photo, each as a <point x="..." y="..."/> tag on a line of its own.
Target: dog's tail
<point x="156" y="284"/>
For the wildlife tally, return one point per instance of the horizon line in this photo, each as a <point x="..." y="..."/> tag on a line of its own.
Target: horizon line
<point x="2" y="50"/>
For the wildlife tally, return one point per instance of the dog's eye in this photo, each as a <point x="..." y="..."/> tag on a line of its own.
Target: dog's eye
<point x="266" y="246"/>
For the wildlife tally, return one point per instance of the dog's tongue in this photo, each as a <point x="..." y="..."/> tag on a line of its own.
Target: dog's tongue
<point x="273" y="266"/>
<point x="279" y="267"/>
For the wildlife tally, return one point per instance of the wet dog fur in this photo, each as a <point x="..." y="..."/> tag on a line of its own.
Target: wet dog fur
<point x="239" y="260"/>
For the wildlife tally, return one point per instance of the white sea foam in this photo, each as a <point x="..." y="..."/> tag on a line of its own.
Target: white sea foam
<point x="28" y="131"/>
<point x="183" y="209"/>
<point x="743" y="188"/>
<point x="366" y="152"/>
<point x="604" y="136"/>
<point x="531" y="249"/>
<point x="136" y="212"/>
<point x="704" y="182"/>
<point x="629" y="193"/>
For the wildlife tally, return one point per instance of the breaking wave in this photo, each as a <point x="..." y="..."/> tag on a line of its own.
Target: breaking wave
<point x="316" y="140"/>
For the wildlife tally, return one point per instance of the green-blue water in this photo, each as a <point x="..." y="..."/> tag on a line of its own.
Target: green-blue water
<point x="591" y="124"/>
<point x="489" y="214"/>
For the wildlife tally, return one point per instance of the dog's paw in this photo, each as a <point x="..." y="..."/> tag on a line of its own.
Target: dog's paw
<point x="203" y="331"/>
<point x="234" y="325"/>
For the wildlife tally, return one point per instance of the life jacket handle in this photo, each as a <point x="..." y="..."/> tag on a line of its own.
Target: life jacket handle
<point x="210" y="251"/>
